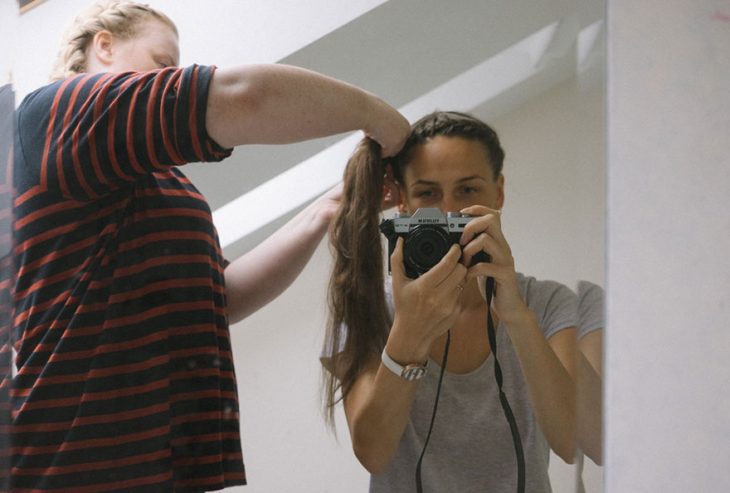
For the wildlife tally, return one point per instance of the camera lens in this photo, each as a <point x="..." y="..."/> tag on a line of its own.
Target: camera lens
<point x="425" y="246"/>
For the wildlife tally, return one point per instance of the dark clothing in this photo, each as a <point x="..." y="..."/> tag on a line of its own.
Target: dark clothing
<point x="125" y="378"/>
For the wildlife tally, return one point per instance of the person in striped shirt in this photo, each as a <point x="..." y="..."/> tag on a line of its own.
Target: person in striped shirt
<point x="123" y="300"/>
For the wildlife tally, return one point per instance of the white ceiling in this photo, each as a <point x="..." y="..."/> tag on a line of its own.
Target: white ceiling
<point x="429" y="53"/>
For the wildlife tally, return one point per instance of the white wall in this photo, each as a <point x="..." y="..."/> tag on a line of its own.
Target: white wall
<point x="668" y="283"/>
<point x="554" y="204"/>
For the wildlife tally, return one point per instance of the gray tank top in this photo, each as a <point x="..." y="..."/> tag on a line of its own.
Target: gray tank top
<point x="471" y="448"/>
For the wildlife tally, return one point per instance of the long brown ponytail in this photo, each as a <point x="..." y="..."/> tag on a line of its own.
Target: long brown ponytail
<point x="358" y="321"/>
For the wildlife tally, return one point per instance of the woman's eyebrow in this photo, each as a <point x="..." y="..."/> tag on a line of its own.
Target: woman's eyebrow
<point x="469" y="178"/>
<point x="424" y="182"/>
<point x="460" y="180"/>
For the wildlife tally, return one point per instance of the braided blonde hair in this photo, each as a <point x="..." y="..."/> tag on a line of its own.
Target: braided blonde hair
<point x="119" y="17"/>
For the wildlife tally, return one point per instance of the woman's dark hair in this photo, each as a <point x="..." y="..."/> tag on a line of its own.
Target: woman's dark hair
<point x="359" y="322"/>
<point x="450" y="124"/>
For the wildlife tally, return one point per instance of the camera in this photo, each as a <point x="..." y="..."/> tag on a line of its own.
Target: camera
<point x="428" y="234"/>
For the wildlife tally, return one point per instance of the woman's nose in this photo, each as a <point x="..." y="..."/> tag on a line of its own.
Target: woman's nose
<point x="447" y="205"/>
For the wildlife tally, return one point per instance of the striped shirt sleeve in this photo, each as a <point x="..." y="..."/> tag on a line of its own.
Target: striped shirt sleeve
<point x="95" y="133"/>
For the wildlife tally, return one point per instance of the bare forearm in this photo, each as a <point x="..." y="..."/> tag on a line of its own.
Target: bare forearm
<point x="589" y="409"/>
<point x="550" y="385"/>
<point x="378" y="408"/>
<point x="274" y="104"/>
<point x="265" y="272"/>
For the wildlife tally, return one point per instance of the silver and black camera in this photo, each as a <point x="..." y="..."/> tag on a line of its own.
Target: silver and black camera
<point x="428" y="234"/>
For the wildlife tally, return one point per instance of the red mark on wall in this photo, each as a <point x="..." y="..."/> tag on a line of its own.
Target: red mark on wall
<point x="720" y="16"/>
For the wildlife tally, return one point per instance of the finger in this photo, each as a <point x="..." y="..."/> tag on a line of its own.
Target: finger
<point x="455" y="280"/>
<point x="489" y="221"/>
<point x="438" y="273"/>
<point x="391" y="196"/>
<point x="479" y="244"/>
<point x="479" y="210"/>
<point x="390" y="149"/>
<point x="476" y="210"/>
<point x="391" y="191"/>
<point x="498" y="251"/>
<point x="397" y="269"/>
<point x="482" y="285"/>
<point x="484" y="269"/>
<point x="449" y="292"/>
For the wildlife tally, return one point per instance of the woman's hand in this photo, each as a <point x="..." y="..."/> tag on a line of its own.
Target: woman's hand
<point x="425" y="308"/>
<point x="391" y="190"/>
<point x="387" y="127"/>
<point x="484" y="233"/>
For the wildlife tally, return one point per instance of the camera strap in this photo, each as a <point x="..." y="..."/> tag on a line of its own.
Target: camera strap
<point x="491" y="334"/>
<point x="419" y="486"/>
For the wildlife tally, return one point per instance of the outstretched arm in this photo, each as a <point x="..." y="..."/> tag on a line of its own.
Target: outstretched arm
<point x="277" y="104"/>
<point x="262" y="274"/>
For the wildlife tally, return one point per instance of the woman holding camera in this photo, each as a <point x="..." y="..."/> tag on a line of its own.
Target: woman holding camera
<point x="386" y="339"/>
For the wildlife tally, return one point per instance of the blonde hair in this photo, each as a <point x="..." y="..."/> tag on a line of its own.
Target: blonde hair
<point x="119" y="17"/>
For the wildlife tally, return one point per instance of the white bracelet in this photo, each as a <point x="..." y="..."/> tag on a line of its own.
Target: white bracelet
<point x="413" y="371"/>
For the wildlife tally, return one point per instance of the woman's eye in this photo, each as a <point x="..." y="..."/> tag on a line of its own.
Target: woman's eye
<point x="468" y="190"/>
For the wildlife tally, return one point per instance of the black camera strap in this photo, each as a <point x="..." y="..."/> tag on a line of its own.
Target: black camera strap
<point x="491" y="334"/>
<point x="419" y="486"/>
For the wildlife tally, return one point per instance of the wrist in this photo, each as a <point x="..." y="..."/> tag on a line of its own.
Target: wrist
<point x="409" y="372"/>
<point x="315" y="218"/>
<point x="373" y="105"/>
<point x="404" y="349"/>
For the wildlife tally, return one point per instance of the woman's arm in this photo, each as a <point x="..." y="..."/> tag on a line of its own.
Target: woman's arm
<point x="548" y="365"/>
<point x="590" y="394"/>
<point x="276" y="104"/>
<point x="378" y="405"/>
<point x="549" y="369"/>
<point x="262" y="274"/>
<point x="377" y="409"/>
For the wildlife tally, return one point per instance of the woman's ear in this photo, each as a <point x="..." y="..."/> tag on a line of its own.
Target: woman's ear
<point x="500" y="192"/>
<point x="401" y="204"/>
<point x="102" y="48"/>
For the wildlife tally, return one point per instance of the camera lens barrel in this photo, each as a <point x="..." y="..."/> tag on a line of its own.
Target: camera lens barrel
<point x="425" y="246"/>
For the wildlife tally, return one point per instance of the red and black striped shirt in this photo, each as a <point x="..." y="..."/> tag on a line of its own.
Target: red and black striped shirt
<point x="125" y="379"/>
